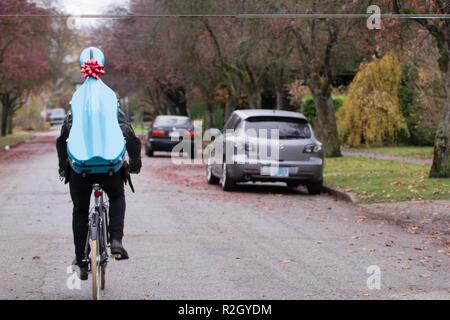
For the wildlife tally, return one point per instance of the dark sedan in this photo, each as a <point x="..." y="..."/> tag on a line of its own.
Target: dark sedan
<point x="168" y="131"/>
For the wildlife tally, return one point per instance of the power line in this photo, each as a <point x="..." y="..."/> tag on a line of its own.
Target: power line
<point x="237" y="16"/>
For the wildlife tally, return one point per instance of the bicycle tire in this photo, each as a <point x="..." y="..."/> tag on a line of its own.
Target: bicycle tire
<point x="94" y="270"/>
<point x="102" y="277"/>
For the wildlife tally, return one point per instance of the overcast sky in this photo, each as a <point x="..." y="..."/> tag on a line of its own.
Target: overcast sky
<point x="89" y="6"/>
<point x="78" y="7"/>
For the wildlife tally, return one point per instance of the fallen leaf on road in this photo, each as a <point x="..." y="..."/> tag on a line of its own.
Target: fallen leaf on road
<point x="412" y="230"/>
<point x="389" y="243"/>
<point x="419" y="248"/>
<point x="358" y="250"/>
<point x="360" y="219"/>
<point x="424" y="259"/>
<point x="36" y="258"/>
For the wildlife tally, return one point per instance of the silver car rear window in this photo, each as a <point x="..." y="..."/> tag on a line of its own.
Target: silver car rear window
<point x="288" y="128"/>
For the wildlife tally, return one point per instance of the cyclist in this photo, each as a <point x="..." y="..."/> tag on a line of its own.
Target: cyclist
<point x="92" y="61"/>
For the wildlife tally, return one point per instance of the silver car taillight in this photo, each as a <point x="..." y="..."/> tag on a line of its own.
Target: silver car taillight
<point x="312" y="148"/>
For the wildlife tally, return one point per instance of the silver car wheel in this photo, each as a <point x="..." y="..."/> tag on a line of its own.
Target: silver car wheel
<point x="224" y="174"/>
<point x="208" y="171"/>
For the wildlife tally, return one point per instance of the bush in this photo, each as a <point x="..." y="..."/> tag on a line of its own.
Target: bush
<point x="409" y="102"/>
<point x="308" y="107"/>
<point x="422" y="96"/>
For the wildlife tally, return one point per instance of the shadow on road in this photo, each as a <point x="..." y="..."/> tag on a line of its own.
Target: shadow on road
<point x="269" y="188"/>
<point x="194" y="176"/>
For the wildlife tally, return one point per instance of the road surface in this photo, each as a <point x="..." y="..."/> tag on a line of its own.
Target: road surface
<point x="190" y="240"/>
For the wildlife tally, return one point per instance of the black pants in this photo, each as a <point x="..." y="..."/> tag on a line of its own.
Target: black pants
<point x="80" y="191"/>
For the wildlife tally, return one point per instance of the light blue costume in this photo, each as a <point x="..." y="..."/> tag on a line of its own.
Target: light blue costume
<point x="96" y="143"/>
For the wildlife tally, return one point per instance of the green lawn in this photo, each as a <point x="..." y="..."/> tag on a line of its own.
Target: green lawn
<point x="413" y="152"/>
<point x="384" y="181"/>
<point x="12" y="139"/>
<point x="139" y="129"/>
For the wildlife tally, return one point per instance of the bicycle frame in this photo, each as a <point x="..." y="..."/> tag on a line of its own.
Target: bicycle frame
<point x="98" y="227"/>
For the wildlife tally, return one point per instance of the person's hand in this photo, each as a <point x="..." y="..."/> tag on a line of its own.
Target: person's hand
<point x="135" y="165"/>
<point x="62" y="174"/>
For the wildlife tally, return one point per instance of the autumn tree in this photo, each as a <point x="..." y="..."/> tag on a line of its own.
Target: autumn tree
<point x="371" y="114"/>
<point x="141" y="57"/>
<point x="315" y="41"/>
<point x="439" y="29"/>
<point x="24" y="56"/>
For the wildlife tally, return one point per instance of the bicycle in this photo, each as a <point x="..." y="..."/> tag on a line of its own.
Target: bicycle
<point x="98" y="248"/>
<point x="98" y="243"/>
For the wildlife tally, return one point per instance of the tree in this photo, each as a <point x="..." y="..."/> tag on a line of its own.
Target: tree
<point x="371" y="113"/>
<point x="439" y="29"/>
<point x="24" y="53"/>
<point x="315" y="41"/>
<point x="141" y="58"/>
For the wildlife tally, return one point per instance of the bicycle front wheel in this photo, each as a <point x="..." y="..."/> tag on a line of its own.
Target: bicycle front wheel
<point x="95" y="270"/>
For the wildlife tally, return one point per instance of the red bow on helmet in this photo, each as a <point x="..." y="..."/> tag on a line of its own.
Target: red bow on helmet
<point x="91" y="68"/>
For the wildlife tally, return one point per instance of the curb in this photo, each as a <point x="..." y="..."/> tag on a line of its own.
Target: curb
<point x="339" y="195"/>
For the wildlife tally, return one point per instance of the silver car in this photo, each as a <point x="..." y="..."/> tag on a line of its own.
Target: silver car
<point x="57" y="116"/>
<point x="266" y="145"/>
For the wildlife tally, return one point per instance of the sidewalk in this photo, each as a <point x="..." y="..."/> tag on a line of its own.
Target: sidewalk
<point x="387" y="157"/>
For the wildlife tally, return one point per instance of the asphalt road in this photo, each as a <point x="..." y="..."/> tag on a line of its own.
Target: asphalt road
<point x="189" y="240"/>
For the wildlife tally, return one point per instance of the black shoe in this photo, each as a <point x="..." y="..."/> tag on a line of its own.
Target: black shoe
<point x="118" y="250"/>
<point x="84" y="269"/>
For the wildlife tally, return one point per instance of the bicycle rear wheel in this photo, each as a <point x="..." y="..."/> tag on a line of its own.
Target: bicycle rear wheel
<point x="95" y="270"/>
<point x="102" y="277"/>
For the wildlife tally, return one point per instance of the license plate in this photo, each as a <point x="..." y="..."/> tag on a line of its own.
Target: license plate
<point x="174" y="134"/>
<point x="275" y="172"/>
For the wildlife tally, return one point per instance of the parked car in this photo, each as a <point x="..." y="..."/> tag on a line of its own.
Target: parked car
<point x="300" y="155"/>
<point x="56" y="116"/>
<point x="168" y="131"/>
